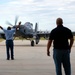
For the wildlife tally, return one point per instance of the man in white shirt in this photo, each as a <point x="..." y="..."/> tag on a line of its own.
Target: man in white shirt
<point x="9" y="33"/>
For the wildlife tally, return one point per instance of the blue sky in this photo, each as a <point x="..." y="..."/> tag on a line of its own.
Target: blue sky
<point x="45" y="12"/>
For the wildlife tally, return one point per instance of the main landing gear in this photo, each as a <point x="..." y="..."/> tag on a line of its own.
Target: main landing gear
<point x="32" y="43"/>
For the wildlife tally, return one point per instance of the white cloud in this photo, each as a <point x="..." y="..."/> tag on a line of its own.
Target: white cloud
<point x="43" y="11"/>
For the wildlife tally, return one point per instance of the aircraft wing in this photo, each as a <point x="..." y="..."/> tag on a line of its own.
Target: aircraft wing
<point x="43" y="34"/>
<point x="46" y="34"/>
<point x="39" y="34"/>
<point x="2" y="35"/>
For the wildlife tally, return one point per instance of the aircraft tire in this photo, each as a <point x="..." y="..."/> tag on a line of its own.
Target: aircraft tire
<point x="36" y="42"/>
<point x="32" y="43"/>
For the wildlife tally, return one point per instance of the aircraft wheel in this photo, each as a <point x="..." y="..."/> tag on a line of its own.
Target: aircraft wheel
<point x="36" y="42"/>
<point x="32" y="43"/>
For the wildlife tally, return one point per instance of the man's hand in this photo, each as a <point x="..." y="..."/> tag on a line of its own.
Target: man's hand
<point x="18" y="25"/>
<point x="1" y="27"/>
<point x="48" y="53"/>
<point x="48" y="47"/>
<point x="19" y="22"/>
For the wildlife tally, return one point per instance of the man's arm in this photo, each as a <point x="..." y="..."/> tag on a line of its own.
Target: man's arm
<point x="71" y="43"/>
<point x="48" y="47"/>
<point x="18" y="25"/>
<point x="1" y="27"/>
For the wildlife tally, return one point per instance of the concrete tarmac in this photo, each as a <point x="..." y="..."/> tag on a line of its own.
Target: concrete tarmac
<point x="30" y="60"/>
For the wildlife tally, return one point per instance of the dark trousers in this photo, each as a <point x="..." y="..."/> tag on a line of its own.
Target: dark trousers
<point x="62" y="57"/>
<point x="9" y="49"/>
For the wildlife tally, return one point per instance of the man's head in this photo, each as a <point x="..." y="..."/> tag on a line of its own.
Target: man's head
<point x="59" y="21"/>
<point x="9" y="28"/>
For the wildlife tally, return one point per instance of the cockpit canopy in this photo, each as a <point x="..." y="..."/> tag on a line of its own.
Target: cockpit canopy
<point x="28" y="25"/>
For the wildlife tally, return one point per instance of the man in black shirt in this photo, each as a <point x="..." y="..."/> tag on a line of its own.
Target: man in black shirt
<point x="61" y="47"/>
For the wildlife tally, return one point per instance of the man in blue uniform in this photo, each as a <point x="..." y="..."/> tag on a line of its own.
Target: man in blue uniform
<point x="61" y="47"/>
<point x="9" y="33"/>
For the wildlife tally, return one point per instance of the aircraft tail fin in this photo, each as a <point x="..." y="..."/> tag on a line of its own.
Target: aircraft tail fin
<point x="36" y="27"/>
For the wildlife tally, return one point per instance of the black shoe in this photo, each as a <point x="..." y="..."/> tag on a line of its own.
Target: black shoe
<point x="7" y="58"/>
<point x="12" y="58"/>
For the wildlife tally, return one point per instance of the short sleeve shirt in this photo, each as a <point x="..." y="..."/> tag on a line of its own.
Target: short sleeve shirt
<point x="60" y="36"/>
<point x="9" y="33"/>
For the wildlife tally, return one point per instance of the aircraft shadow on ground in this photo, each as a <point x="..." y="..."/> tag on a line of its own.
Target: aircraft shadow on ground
<point x="30" y="45"/>
<point x="27" y="45"/>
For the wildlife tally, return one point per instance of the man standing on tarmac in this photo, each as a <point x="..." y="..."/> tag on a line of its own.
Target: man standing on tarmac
<point x="9" y="34"/>
<point x="61" y="47"/>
